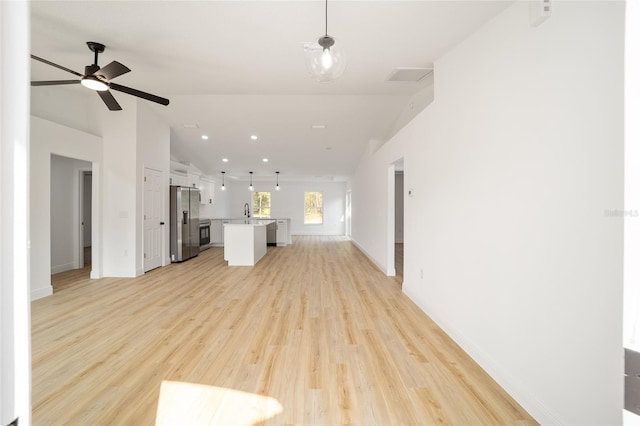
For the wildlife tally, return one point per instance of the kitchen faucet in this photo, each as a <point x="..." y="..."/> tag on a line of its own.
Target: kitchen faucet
<point x="246" y="210"/>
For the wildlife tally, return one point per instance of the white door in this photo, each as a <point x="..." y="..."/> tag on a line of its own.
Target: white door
<point x="152" y="219"/>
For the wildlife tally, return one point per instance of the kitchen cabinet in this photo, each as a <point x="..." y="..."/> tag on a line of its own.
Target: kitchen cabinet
<point x="282" y="232"/>
<point x="193" y="180"/>
<point x="178" y="179"/>
<point x="217" y="231"/>
<point x="207" y="189"/>
<point x="244" y="243"/>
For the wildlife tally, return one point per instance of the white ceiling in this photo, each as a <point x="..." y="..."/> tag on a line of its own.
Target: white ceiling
<point x="237" y="68"/>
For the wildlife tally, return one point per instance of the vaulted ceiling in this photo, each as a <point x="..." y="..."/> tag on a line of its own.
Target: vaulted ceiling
<point x="237" y="68"/>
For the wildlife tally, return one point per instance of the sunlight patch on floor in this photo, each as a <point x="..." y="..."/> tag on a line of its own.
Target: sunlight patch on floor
<point x="193" y="404"/>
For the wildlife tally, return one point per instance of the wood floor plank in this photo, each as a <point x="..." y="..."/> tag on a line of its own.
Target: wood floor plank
<point x="314" y="330"/>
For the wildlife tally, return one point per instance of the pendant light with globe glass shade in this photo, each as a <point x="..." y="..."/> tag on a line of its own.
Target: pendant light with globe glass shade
<point x="326" y="60"/>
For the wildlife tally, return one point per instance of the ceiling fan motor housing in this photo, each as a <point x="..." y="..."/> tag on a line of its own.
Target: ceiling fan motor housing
<point x="90" y="69"/>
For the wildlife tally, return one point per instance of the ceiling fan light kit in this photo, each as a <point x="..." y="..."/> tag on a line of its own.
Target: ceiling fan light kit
<point x="94" y="83"/>
<point x="326" y="61"/>
<point x="99" y="79"/>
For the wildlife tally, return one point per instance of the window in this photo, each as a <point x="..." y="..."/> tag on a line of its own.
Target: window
<point x="312" y="208"/>
<point x="262" y="204"/>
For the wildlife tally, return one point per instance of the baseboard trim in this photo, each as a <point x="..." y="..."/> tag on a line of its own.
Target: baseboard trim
<point x="371" y="258"/>
<point x="63" y="268"/>
<point x="41" y="292"/>
<point x="512" y="386"/>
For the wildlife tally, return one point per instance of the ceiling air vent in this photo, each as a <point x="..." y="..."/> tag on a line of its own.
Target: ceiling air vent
<point x="409" y="74"/>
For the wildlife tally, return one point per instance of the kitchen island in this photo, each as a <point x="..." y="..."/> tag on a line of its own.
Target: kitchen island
<point x="282" y="225"/>
<point x="245" y="243"/>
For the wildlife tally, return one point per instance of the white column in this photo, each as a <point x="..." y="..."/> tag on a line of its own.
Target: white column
<point x="632" y="178"/>
<point x="631" y="318"/>
<point x="15" y="358"/>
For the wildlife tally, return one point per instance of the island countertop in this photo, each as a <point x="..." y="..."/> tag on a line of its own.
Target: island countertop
<point x="282" y="226"/>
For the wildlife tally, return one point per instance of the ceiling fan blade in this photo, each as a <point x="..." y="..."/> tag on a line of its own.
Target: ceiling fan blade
<point x="56" y="65"/>
<point x="140" y="94"/>
<point x="54" y="82"/>
<point x="112" y="70"/>
<point x="109" y="100"/>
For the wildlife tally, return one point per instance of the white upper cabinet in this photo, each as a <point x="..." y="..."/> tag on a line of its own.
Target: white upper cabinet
<point x="179" y="179"/>
<point x="193" y="180"/>
<point x="207" y="189"/>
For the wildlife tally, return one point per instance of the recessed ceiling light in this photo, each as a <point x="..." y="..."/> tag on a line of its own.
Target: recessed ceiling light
<point x="205" y="137"/>
<point x="254" y="137"/>
<point x="265" y="160"/>
<point x="318" y="126"/>
<point x="225" y="160"/>
<point x="190" y="126"/>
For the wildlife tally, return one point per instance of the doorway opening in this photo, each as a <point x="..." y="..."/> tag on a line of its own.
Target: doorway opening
<point x="399" y="222"/>
<point x="395" y="224"/>
<point x="85" y="219"/>
<point x="70" y="239"/>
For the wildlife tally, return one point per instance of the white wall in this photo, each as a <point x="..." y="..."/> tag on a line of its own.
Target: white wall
<point x="50" y="138"/>
<point x="71" y="106"/>
<point x="513" y="167"/>
<point x="632" y="178"/>
<point x="65" y="212"/>
<point x="154" y="140"/>
<point x="631" y="321"/>
<point x="15" y="354"/>
<point x="289" y="203"/>
<point x="221" y="206"/>
<point x="121" y="240"/>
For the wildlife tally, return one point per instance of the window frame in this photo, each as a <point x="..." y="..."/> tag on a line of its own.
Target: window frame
<point x="253" y="205"/>
<point x="317" y="208"/>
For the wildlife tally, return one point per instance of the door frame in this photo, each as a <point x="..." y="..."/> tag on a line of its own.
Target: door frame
<point x="80" y="224"/>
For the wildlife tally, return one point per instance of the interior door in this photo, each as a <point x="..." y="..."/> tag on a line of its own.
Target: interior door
<point x="152" y="219"/>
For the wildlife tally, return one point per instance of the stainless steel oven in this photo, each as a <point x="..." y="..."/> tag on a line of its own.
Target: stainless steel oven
<point x="205" y="234"/>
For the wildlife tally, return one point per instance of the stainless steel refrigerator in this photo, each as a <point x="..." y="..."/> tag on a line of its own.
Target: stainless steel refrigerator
<point x="185" y="222"/>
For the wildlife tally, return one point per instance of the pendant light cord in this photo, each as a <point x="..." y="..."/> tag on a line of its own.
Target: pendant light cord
<point x="326" y="17"/>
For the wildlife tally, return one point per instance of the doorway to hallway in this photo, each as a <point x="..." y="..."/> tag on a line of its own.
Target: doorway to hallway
<point x="71" y="211"/>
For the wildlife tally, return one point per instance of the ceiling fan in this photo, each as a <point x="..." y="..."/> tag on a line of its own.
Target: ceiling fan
<point x="99" y="79"/>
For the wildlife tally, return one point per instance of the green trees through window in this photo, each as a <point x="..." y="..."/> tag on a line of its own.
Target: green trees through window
<point x="312" y="208"/>
<point x="262" y="205"/>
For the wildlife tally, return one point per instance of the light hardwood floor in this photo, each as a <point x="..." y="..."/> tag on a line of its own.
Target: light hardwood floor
<point x="399" y="262"/>
<point x="313" y="326"/>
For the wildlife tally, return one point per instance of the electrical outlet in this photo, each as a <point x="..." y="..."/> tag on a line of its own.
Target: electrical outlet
<point x="421" y="274"/>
